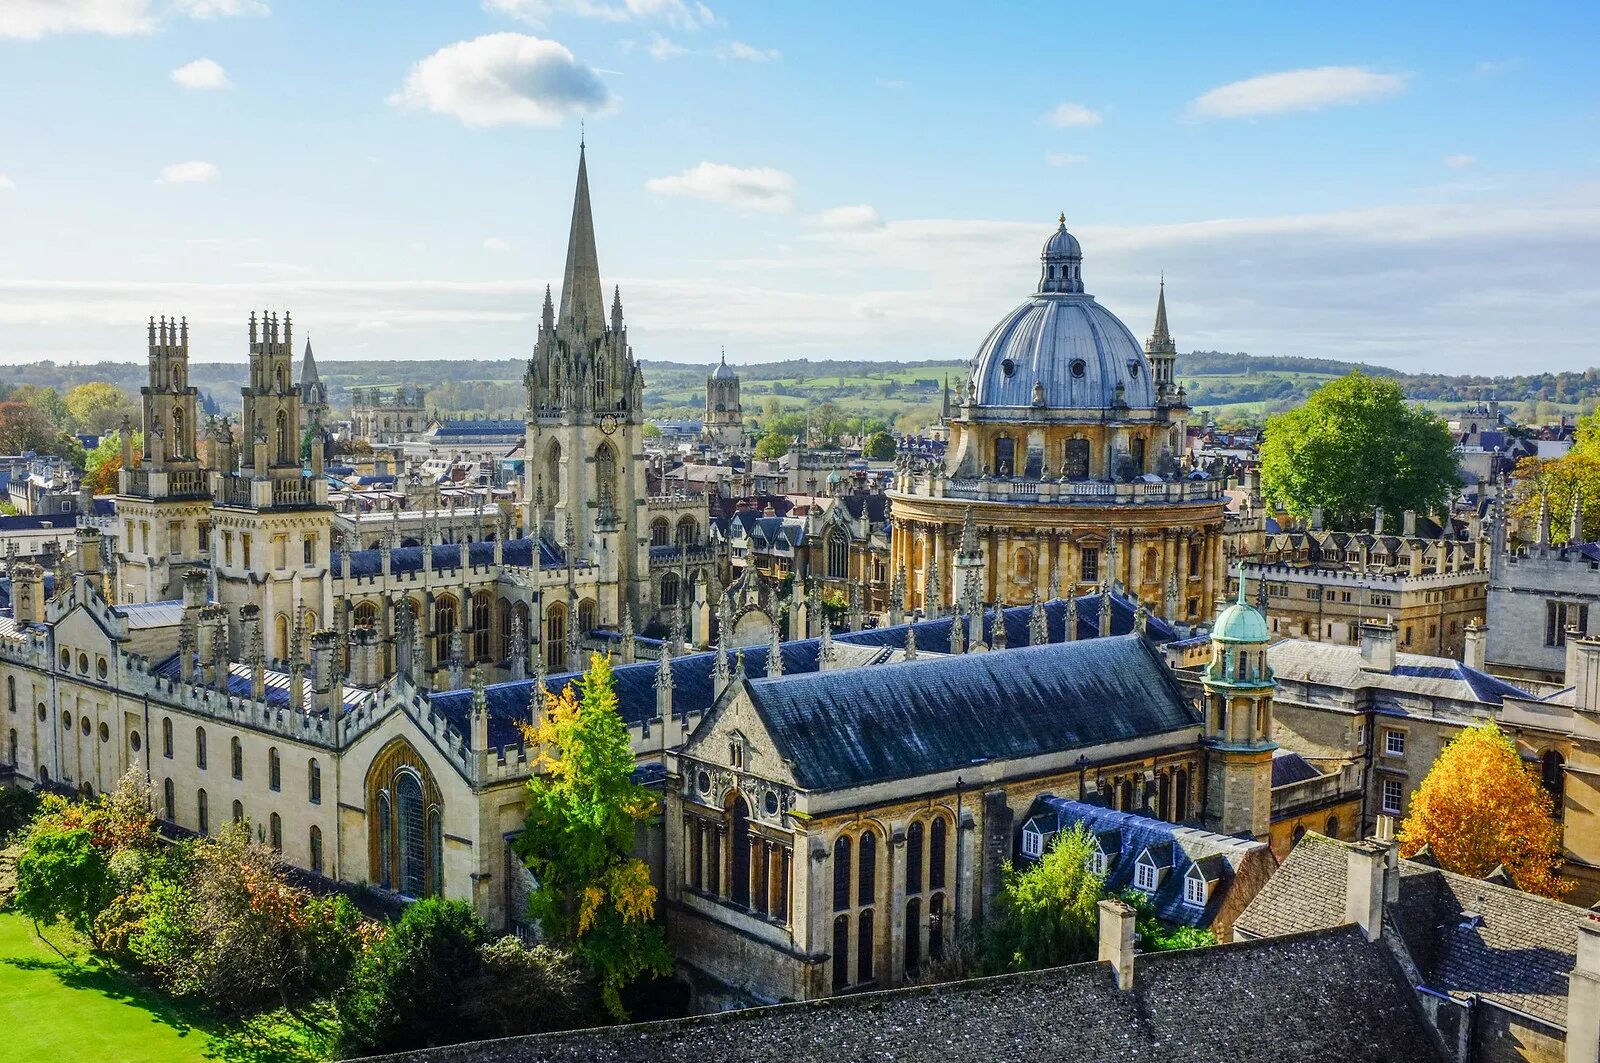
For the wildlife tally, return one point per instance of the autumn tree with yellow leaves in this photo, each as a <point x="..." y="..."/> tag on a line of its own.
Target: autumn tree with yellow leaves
<point x="584" y="809"/>
<point x="1481" y="807"/>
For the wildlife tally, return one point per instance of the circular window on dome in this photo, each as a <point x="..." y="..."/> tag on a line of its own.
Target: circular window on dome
<point x="1078" y="367"/>
<point x="1133" y="369"/>
<point x="1007" y="366"/>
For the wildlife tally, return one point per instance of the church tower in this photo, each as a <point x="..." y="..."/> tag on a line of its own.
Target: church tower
<point x="313" y="393"/>
<point x="272" y="523"/>
<point x="164" y="505"/>
<point x="1238" y="687"/>
<point x="724" y="425"/>
<point x="584" y="472"/>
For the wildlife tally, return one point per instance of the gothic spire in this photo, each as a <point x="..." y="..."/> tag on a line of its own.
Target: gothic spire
<point x="1160" y="337"/>
<point x="582" y="298"/>
<point x="308" y="370"/>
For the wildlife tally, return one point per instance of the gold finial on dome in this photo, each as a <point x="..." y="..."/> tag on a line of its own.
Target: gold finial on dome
<point x="1063" y="219"/>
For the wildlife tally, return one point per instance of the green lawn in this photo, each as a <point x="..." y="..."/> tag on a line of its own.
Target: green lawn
<point x="75" y="1007"/>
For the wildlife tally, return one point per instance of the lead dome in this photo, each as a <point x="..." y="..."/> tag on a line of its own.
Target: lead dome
<point x="1060" y="349"/>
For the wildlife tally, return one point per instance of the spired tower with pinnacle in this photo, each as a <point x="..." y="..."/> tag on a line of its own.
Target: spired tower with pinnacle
<point x="164" y="504"/>
<point x="313" y="392"/>
<point x="584" y="483"/>
<point x="272" y="526"/>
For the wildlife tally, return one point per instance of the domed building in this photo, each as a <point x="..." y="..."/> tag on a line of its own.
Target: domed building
<point x="724" y="422"/>
<point x="1065" y="446"/>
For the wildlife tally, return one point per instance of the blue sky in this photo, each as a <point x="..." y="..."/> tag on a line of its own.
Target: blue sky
<point x="1411" y="184"/>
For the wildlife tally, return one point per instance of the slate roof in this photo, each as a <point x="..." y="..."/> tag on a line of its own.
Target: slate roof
<point x="1289" y="768"/>
<point x="277" y="683"/>
<point x="1123" y="836"/>
<point x="849" y="728"/>
<point x="517" y="553"/>
<point x="1329" y="997"/>
<point x="692" y="672"/>
<point x="1340" y="666"/>
<point x="1519" y="955"/>
<point x="479" y="427"/>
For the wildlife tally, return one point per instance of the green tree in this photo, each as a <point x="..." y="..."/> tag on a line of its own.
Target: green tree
<point x="522" y="990"/>
<point x="880" y="447"/>
<point x="102" y="464"/>
<point x="62" y="875"/>
<point x="772" y="446"/>
<point x="1047" y="914"/>
<point x="1156" y="936"/>
<point x="24" y="427"/>
<point x="1354" y="446"/>
<point x="584" y="810"/>
<point x="97" y="407"/>
<point x="651" y="431"/>
<point x="404" y="995"/>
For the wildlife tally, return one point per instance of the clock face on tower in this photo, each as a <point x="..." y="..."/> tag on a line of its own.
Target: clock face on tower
<point x="608" y="423"/>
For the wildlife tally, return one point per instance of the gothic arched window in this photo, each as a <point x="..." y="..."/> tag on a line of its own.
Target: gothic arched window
<point x="660" y="532"/>
<point x="482" y="603"/>
<point x="409" y="835"/>
<point x="316" y="850"/>
<point x="169" y="801"/>
<point x="444" y="625"/>
<point x="283" y="437"/>
<point x="914" y="835"/>
<point x="936" y="853"/>
<point x="552" y="474"/>
<point x="841" y="874"/>
<point x="605" y="474"/>
<point x="739" y="853"/>
<point x="687" y="533"/>
<point x="838" y="555"/>
<point x="669" y="589"/>
<point x="555" y="637"/>
<point x="586" y="616"/>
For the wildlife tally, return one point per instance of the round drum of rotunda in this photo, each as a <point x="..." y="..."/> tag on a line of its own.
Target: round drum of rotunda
<point x="1066" y="445"/>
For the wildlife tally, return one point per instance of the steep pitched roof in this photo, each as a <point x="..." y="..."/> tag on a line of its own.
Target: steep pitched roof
<point x="1125" y="835"/>
<point x="1330" y="997"/>
<point x="1340" y="666"/>
<point x="1517" y="952"/>
<point x="849" y="728"/>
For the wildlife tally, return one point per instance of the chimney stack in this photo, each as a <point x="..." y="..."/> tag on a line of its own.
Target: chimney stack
<point x="27" y="593"/>
<point x="1378" y="645"/>
<point x="364" y="657"/>
<point x="1583" y="994"/>
<point x="1474" y="643"/>
<point x="1583" y="671"/>
<point x="1116" y="940"/>
<point x="1363" y="899"/>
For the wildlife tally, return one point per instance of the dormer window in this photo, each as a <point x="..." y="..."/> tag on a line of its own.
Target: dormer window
<point x="1196" y="890"/>
<point x="1098" y="862"/>
<point x="1145" y="876"/>
<point x="1035" y="839"/>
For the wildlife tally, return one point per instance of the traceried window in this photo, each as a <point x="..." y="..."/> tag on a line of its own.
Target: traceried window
<point x="408" y="793"/>
<point x="838" y="555"/>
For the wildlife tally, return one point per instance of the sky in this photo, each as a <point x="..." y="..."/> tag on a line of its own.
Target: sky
<point x="1411" y="184"/>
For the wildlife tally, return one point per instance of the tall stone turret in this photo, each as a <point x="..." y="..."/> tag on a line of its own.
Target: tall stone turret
<point x="1238" y="729"/>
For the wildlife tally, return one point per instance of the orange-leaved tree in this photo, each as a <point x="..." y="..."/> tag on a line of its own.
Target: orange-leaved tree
<point x="1480" y="807"/>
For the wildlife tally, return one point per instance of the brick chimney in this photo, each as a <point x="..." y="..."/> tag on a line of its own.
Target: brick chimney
<point x="1378" y="644"/>
<point x="1583" y="994"/>
<point x="1116" y="940"/>
<point x="1473" y="644"/>
<point x="1363" y="898"/>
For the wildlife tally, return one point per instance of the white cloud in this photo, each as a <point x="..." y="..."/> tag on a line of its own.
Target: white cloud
<point x="32" y="19"/>
<point x="221" y="8"/>
<point x="748" y="53"/>
<point x="202" y="74"/>
<point x="503" y="79"/>
<point x="188" y="173"/>
<point x="680" y="14"/>
<point x="757" y="188"/>
<point x="7" y="184"/>
<point x="856" y="218"/>
<point x="889" y="83"/>
<point x="1491" y="67"/>
<point x="1296" y="90"/>
<point x="1460" y="162"/>
<point x="1061" y="158"/>
<point x="662" y="48"/>
<point x="495" y="244"/>
<point x="1072" y="115"/>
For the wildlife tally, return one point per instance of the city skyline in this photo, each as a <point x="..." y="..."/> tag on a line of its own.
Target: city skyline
<point x="1388" y="188"/>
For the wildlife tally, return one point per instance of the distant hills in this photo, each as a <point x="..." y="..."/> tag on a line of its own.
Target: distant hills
<point x="1231" y="386"/>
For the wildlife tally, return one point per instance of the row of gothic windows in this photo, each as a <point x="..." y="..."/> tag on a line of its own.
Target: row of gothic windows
<point x="727" y="859"/>
<point x="925" y="870"/>
<point x="663" y="533"/>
